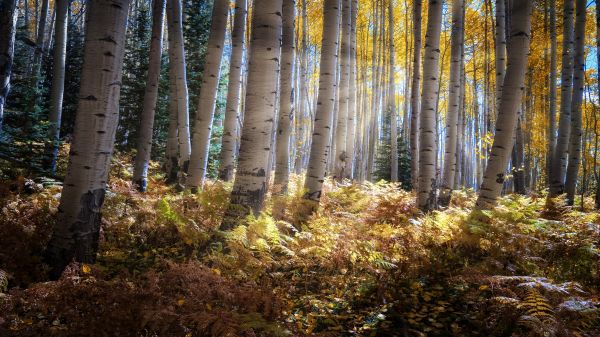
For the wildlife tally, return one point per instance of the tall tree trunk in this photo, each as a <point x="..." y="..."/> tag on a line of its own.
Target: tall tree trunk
<point x="500" y="48"/>
<point x="426" y="197"/>
<point x="352" y="107"/>
<point x="250" y="186"/>
<point x="178" y="87"/>
<point x="77" y="232"/>
<point x="576" y="102"/>
<point x="8" y="28"/>
<point x="518" y="159"/>
<point x="39" y="44"/>
<point x="229" y="143"/>
<point x="324" y="115"/>
<point x="208" y="96"/>
<point x="392" y="96"/>
<point x="144" y="141"/>
<point x="414" y="94"/>
<point x="450" y="158"/>
<point x="58" y="78"/>
<point x="597" y="197"/>
<point x="343" y="92"/>
<point x="286" y="96"/>
<point x="552" y="94"/>
<point x="561" y="149"/>
<point x="512" y="90"/>
<point x="171" y="151"/>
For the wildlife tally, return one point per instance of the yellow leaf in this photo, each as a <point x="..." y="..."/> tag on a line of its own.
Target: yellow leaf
<point x="180" y="302"/>
<point x="216" y="271"/>
<point x="85" y="268"/>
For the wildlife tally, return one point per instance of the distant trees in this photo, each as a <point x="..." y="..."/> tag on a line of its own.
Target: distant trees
<point x="8" y="27"/>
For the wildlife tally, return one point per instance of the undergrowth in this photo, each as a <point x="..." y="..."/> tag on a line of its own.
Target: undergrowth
<point x="367" y="263"/>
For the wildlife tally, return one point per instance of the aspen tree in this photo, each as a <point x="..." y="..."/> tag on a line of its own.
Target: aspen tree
<point x="414" y="94"/>
<point x="320" y="147"/>
<point x="426" y="197"/>
<point x="250" y="184"/>
<point x="208" y="96"/>
<point x="552" y="93"/>
<point x="178" y="87"/>
<point x="391" y="100"/>
<point x="561" y="149"/>
<point x="352" y="107"/>
<point x="144" y="142"/>
<point x="520" y="36"/>
<point x="576" y="102"/>
<point x="77" y="232"/>
<point x="343" y="92"/>
<point x="232" y="108"/>
<point x="454" y="97"/>
<point x="286" y="97"/>
<point x="8" y="28"/>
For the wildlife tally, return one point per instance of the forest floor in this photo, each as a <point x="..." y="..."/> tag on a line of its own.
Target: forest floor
<point x="366" y="264"/>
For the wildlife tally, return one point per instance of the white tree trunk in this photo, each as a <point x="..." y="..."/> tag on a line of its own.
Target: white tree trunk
<point x="230" y="131"/>
<point x="39" y="43"/>
<point x="414" y="94"/>
<point x="286" y="97"/>
<point x="58" y="77"/>
<point x="392" y="96"/>
<point x="178" y="86"/>
<point x="8" y="28"/>
<point x="552" y="94"/>
<point x="76" y="233"/>
<point x="520" y="35"/>
<point x="208" y="96"/>
<point x="144" y="141"/>
<point x="320" y="147"/>
<point x="578" y="85"/>
<point x="341" y="128"/>
<point x="250" y="185"/>
<point x="454" y="100"/>
<point x="500" y="48"/>
<point x="561" y="149"/>
<point x="426" y="196"/>
<point x="352" y="107"/>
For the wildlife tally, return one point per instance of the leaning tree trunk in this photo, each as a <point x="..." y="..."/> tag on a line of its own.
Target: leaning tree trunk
<point x="500" y="48"/>
<point x="577" y="98"/>
<point x="414" y="95"/>
<point x="561" y="149"/>
<point x="208" y="96"/>
<point x="58" y="78"/>
<point x="339" y="160"/>
<point x="144" y="141"/>
<point x="8" y="27"/>
<point x="286" y="97"/>
<point x="232" y="108"/>
<point x="426" y="197"/>
<point x="391" y="101"/>
<point x="552" y="94"/>
<point x="250" y="185"/>
<point x="77" y="232"/>
<point x="178" y="88"/>
<point x="320" y="147"/>
<point x="520" y="32"/>
<point x="450" y="158"/>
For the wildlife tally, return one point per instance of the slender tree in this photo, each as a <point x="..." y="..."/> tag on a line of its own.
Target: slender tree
<point x="250" y="185"/>
<point x="320" y="146"/>
<point x="450" y="159"/>
<point x="513" y="85"/>
<point x="8" y="27"/>
<point x="232" y="108"/>
<point x="576" y="102"/>
<point x="552" y="89"/>
<point x="414" y="94"/>
<point x="40" y="40"/>
<point x="426" y="196"/>
<point x="561" y="149"/>
<point x="76" y="234"/>
<point x="352" y="107"/>
<point x="144" y="142"/>
<point x="178" y="89"/>
<point x="343" y="92"/>
<point x="58" y="77"/>
<point x="500" y="48"/>
<point x="391" y="100"/>
<point x="208" y="96"/>
<point x="286" y="96"/>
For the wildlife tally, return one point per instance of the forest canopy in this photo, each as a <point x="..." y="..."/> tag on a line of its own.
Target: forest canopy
<point x="299" y="168"/>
